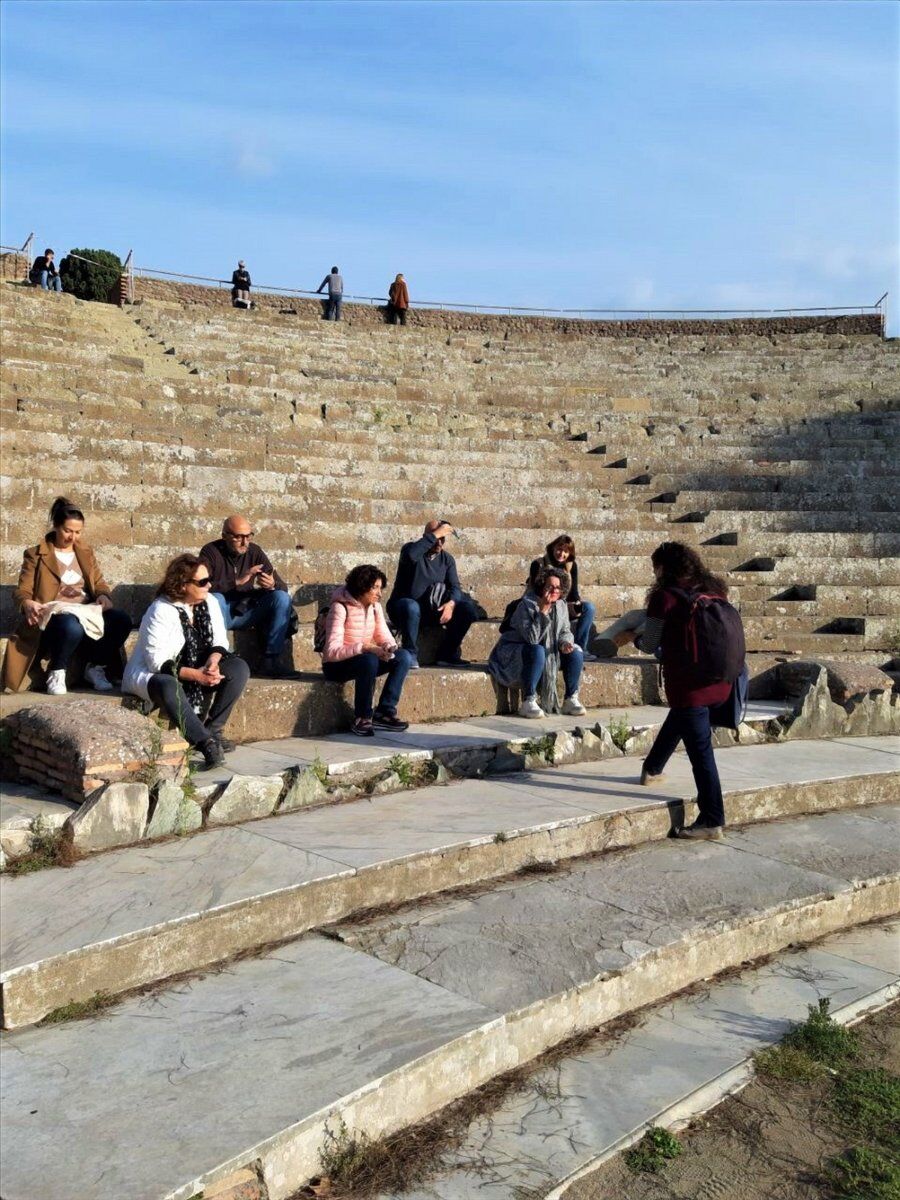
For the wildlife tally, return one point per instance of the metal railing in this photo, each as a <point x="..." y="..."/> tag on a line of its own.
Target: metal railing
<point x="130" y="271"/>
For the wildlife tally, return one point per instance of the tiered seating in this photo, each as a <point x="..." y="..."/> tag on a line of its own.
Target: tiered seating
<point x="343" y="439"/>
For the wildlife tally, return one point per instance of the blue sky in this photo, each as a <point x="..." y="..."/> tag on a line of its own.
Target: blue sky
<point x="636" y="154"/>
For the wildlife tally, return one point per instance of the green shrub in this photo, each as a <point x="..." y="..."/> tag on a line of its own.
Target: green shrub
<point x="863" y="1174"/>
<point x="868" y="1101"/>
<point x="93" y="280"/>
<point x="653" y="1151"/>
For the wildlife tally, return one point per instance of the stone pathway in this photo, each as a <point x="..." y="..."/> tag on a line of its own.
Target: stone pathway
<point x="169" y="1091"/>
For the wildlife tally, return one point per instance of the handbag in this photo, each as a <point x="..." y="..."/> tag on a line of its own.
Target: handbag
<point x="731" y="712"/>
<point x="435" y="597"/>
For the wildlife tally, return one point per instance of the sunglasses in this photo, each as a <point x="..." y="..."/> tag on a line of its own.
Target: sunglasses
<point x="206" y="582"/>
<point x="241" y="537"/>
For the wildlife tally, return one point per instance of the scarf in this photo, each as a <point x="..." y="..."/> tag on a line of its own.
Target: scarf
<point x="198" y="644"/>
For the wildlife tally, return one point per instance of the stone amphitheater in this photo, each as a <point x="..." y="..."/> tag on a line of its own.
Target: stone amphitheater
<point x="324" y="943"/>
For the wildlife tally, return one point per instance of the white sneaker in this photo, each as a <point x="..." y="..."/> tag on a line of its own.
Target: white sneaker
<point x="530" y="708"/>
<point x="56" y="683"/>
<point x="572" y="706"/>
<point x="96" y="677"/>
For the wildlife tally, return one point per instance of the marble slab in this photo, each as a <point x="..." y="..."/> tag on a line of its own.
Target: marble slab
<point x="570" y="1114"/>
<point x="170" y="1085"/>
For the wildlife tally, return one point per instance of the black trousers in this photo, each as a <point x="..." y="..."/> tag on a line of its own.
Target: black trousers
<point x="166" y="693"/>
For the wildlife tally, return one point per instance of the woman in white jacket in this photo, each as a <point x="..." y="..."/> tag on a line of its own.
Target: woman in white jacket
<point x="181" y="659"/>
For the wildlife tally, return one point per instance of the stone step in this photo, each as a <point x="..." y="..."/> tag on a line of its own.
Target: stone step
<point x="404" y="1014"/>
<point x="522" y="1147"/>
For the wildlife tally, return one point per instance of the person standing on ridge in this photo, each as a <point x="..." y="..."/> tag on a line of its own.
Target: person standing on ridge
<point x="399" y="300"/>
<point x="335" y="284"/>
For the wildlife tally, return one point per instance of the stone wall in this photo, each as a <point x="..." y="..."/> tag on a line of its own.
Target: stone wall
<point x="501" y="324"/>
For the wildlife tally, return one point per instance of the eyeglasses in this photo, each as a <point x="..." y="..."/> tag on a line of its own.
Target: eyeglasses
<point x="207" y="582"/>
<point x="241" y="537"/>
<point x="554" y="589"/>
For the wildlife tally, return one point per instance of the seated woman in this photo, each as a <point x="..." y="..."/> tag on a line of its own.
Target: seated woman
<point x="359" y="646"/>
<point x="182" y="662"/>
<point x="561" y="553"/>
<point x="537" y="643"/>
<point x="65" y="603"/>
<point x="681" y="576"/>
<point x="240" y="286"/>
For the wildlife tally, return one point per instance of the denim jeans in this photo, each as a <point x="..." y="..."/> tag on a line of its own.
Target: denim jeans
<point x="50" y="282"/>
<point x="333" y="308"/>
<point x="65" y="633"/>
<point x="365" y="669"/>
<point x="581" y="629"/>
<point x="269" y="609"/>
<point x="166" y="692"/>
<point x="408" y="615"/>
<point x="691" y="726"/>
<point x="533" y="660"/>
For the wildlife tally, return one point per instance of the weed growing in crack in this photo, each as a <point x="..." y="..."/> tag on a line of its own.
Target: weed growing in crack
<point x="148" y="771"/>
<point x="403" y="769"/>
<point x="319" y="768"/>
<point x="864" y="1174"/>
<point x="343" y="1156"/>
<point x="653" y="1151"/>
<point x="541" y="747"/>
<point x="500" y="837"/>
<point x="79" y="1010"/>
<point x="620" y="731"/>
<point x="49" y="848"/>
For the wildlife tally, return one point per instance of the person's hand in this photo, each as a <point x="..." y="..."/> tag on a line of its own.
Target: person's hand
<point x="242" y="579"/>
<point x="68" y="592"/>
<point x="443" y="530"/>
<point x="446" y="612"/>
<point x="266" y="581"/>
<point x="566" y="648"/>
<point x="385" y="653"/>
<point x="194" y="675"/>
<point x="212" y="675"/>
<point x="104" y="602"/>
<point x="32" y="611"/>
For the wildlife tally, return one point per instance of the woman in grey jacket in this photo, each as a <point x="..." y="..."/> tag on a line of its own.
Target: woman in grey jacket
<point x="537" y="643"/>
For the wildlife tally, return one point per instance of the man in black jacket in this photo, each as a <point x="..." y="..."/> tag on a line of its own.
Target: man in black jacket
<point x="249" y="590"/>
<point x="427" y="589"/>
<point x="43" y="272"/>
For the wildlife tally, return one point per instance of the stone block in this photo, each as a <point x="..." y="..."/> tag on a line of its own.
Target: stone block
<point x="246" y="797"/>
<point x="189" y="817"/>
<point x="304" y="789"/>
<point x="166" y="806"/>
<point x="113" y="816"/>
<point x="845" y="679"/>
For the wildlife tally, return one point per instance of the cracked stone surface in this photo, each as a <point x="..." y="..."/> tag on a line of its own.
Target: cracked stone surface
<point x="570" y="1113"/>
<point x="511" y="945"/>
<point x="111" y="817"/>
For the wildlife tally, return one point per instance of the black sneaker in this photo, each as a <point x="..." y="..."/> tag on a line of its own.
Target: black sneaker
<point x="226" y="743"/>
<point x="213" y="754"/>
<point x="362" y="727"/>
<point x="386" y="721"/>
<point x="452" y="663"/>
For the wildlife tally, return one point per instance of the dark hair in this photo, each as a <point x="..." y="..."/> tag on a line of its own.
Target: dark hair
<point x="179" y="574"/>
<point x="334" y="271"/>
<point x="62" y="510"/>
<point x="683" y="567"/>
<point x="364" y="577"/>
<point x="49" y="251"/>
<point x="539" y="582"/>
<point x="565" y="542"/>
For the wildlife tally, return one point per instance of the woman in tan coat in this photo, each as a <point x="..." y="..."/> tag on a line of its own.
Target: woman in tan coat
<point x="65" y="602"/>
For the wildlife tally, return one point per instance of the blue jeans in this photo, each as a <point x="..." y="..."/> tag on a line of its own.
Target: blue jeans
<point x="365" y="669"/>
<point x="65" y="633"/>
<point x="691" y="726"/>
<point x="271" y="610"/>
<point x="581" y="630"/>
<point x="333" y="308"/>
<point x="533" y="661"/>
<point x="50" y="282"/>
<point x="407" y="615"/>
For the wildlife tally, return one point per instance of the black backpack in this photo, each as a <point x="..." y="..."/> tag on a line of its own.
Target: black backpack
<point x="506" y="623"/>
<point x="703" y="639"/>
<point x="320" y="626"/>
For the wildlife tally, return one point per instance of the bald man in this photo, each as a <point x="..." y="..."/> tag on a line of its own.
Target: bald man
<point x="424" y="570"/>
<point x="249" y="590"/>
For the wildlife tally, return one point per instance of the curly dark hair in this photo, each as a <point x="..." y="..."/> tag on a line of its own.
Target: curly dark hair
<point x="683" y="567"/>
<point x="62" y="510"/>
<point x="362" y="578"/>
<point x="179" y="574"/>
<point x="539" y="582"/>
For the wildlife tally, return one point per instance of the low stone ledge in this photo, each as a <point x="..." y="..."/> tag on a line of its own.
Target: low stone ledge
<point x="817" y="715"/>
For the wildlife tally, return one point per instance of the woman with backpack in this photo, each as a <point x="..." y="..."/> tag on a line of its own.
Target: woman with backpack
<point x="699" y="639"/>
<point x="357" y="644"/>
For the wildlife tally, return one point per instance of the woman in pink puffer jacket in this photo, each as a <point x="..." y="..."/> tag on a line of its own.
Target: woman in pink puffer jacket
<point x="359" y="646"/>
